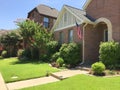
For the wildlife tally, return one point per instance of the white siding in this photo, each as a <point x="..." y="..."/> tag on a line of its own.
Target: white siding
<point x="67" y="20"/>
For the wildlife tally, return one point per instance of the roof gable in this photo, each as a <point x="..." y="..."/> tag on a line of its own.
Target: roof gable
<point x="74" y="15"/>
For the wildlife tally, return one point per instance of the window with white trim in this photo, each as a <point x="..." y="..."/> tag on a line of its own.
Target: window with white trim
<point x="46" y="22"/>
<point x="61" y="40"/>
<point x="105" y="35"/>
<point x="70" y="36"/>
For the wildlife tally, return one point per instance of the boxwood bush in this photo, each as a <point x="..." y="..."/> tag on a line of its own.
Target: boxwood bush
<point x="60" y="61"/>
<point x="98" y="68"/>
<point x="110" y="53"/>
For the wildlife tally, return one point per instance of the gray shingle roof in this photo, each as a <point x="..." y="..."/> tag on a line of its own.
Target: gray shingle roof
<point x="79" y="12"/>
<point x="46" y="10"/>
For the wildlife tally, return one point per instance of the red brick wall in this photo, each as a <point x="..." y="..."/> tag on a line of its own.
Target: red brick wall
<point x="66" y="31"/>
<point x="92" y="37"/>
<point x="109" y="9"/>
<point x="34" y="15"/>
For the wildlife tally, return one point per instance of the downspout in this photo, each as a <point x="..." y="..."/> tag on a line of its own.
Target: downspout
<point x="83" y="50"/>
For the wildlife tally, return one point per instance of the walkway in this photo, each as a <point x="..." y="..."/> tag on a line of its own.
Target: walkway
<point x="31" y="82"/>
<point x="54" y="77"/>
<point x="2" y="83"/>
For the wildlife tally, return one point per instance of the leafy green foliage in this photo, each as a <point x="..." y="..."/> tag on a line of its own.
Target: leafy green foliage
<point x="98" y="68"/>
<point x="10" y="42"/>
<point x="52" y="47"/>
<point x="55" y="56"/>
<point x="71" y="53"/>
<point x="4" y="54"/>
<point x="35" y="38"/>
<point x="20" y="53"/>
<point x="110" y="53"/>
<point x="60" y="61"/>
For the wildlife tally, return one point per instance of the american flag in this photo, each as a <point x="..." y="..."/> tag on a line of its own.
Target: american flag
<point x="79" y="33"/>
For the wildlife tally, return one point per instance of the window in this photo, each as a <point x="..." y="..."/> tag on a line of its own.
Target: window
<point x="61" y="38"/>
<point x="46" y="22"/>
<point x="70" y="36"/>
<point x="65" y="17"/>
<point x="105" y="35"/>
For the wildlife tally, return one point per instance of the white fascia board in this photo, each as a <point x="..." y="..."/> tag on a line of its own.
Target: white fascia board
<point x="86" y="4"/>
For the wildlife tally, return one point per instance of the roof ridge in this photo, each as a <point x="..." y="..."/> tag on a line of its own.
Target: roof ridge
<point x="46" y="6"/>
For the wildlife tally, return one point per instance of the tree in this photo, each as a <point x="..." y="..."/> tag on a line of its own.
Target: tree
<point x="34" y="36"/>
<point x="27" y="29"/>
<point x="40" y="39"/>
<point x="10" y="42"/>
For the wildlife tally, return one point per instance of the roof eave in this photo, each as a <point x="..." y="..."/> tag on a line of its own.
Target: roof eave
<point x="86" y="4"/>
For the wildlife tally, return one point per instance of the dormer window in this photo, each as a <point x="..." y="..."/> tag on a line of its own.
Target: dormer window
<point x="46" y="22"/>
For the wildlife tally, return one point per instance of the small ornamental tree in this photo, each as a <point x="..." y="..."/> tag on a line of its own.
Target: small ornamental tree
<point x="35" y="37"/>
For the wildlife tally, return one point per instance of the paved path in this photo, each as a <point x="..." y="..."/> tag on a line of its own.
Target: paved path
<point x="31" y="82"/>
<point x="2" y="83"/>
<point x="69" y="73"/>
<point x="44" y="80"/>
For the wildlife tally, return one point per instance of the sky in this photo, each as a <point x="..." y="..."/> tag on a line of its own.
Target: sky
<point x="11" y="10"/>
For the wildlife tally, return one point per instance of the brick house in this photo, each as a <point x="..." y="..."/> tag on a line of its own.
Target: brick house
<point x="44" y="15"/>
<point x="99" y="21"/>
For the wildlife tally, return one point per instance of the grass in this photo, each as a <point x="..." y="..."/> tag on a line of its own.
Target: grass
<point x="81" y="82"/>
<point x="13" y="70"/>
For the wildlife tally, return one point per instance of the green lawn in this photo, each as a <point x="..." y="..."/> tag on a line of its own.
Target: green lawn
<point x="82" y="82"/>
<point x="13" y="70"/>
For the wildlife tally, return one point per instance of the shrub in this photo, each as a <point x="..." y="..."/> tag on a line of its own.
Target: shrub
<point x="98" y="68"/>
<point x="60" y="61"/>
<point x="1" y="57"/>
<point x="109" y="53"/>
<point x="20" y="53"/>
<point x="52" y="47"/>
<point x="55" y="56"/>
<point x="71" y="53"/>
<point x="4" y="54"/>
<point x="27" y="53"/>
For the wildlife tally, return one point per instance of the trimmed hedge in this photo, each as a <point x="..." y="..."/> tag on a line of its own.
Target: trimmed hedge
<point x="110" y="53"/>
<point x="98" y="68"/>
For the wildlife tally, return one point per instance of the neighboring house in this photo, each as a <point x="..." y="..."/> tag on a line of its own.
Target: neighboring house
<point x="99" y="21"/>
<point x="44" y="15"/>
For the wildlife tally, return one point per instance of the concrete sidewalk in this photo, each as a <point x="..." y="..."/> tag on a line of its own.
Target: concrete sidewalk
<point x="39" y="81"/>
<point x="31" y="82"/>
<point x="2" y="83"/>
<point x="68" y="73"/>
